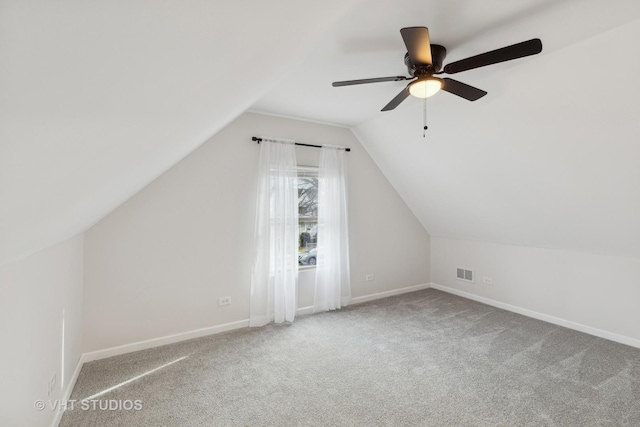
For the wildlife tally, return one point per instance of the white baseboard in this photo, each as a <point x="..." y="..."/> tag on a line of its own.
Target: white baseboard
<point x="66" y="394"/>
<point x="170" y="339"/>
<point x="385" y="294"/>
<point x="371" y="297"/>
<point x="157" y="342"/>
<point x="304" y="310"/>
<point x="541" y="316"/>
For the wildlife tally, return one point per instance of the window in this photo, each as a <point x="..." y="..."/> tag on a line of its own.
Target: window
<point x="308" y="215"/>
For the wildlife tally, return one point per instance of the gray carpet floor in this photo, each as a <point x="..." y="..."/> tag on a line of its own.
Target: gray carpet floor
<point x="426" y="358"/>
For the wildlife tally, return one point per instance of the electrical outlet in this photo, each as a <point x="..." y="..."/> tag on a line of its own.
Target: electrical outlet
<point x="224" y="300"/>
<point x="369" y="277"/>
<point x="487" y="280"/>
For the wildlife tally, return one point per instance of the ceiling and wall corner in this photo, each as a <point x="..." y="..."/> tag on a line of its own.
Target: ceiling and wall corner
<point x="546" y="165"/>
<point x="98" y="99"/>
<point x="546" y="159"/>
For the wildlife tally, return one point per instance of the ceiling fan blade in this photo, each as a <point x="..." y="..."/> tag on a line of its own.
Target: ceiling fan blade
<point x="416" y="39"/>
<point x="397" y="100"/>
<point x="462" y="89"/>
<point x="518" y="50"/>
<point x="374" y="80"/>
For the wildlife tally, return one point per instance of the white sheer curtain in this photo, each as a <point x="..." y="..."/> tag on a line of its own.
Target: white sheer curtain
<point x="333" y="285"/>
<point x="274" y="274"/>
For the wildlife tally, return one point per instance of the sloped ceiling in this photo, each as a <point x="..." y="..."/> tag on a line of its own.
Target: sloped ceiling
<point x="99" y="98"/>
<point x="548" y="158"/>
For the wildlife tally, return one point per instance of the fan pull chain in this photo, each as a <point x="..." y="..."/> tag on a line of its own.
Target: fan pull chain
<point x="424" y="129"/>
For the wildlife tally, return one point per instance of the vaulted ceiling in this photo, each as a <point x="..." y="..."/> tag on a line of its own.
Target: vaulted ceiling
<point x="98" y="99"/>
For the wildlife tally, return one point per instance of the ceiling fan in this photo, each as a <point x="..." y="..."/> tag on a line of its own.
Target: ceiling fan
<point x="424" y="61"/>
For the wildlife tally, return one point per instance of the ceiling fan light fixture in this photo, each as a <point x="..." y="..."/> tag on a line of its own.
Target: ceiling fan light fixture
<point x="426" y="87"/>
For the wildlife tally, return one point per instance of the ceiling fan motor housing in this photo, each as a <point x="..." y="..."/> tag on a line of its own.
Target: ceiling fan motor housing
<point x="438" y="53"/>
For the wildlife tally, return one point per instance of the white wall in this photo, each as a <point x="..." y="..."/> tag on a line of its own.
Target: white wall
<point x="597" y="291"/>
<point x="157" y="265"/>
<point x="34" y="292"/>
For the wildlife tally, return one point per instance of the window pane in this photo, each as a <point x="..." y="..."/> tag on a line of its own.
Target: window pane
<point x="308" y="215"/>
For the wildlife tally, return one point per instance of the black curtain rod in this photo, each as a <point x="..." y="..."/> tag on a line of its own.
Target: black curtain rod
<point x="259" y="140"/>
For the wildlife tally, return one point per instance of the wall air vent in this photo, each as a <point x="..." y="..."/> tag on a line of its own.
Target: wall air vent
<point x="464" y="274"/>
